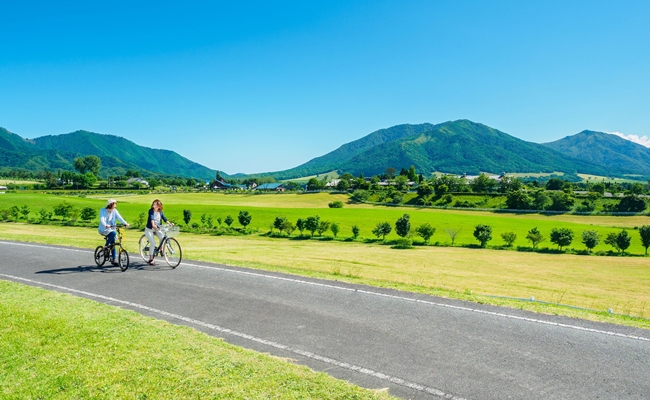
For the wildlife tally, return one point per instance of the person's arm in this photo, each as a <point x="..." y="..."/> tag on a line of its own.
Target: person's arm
<point x="119" y="217"/>
<point x="152" y="222"/>
<point x="102" y="218"/>
<point x="162" y="216"/>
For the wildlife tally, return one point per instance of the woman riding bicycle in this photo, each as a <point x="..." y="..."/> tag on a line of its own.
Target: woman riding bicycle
<point x="107" y="217"/>
<point x="153" y="227"/>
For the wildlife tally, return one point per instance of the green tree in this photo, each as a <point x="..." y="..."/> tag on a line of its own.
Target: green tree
<point x="15" y="212"/>
<point x="140" y="222"/>
<point x="86" y="164"/>
<point x="425" y="190"/>
<point x="483" y="184"/>
<point x="190" y="182"/>
<point x="554" y="184"/>
<point x="401" y="182"/>
<point x="229" y="220"/>
<point x="412" y="174"/>
<point x="509" y="238"/>
<point x="300" y="224"/>
<point x="63" y="209"/>
<point x="88" y="213"/>
<point x="278" y="222"/>
<point x="382" y="229"/>
<point x="518" y="200"/>
<point x="314" y="184"/>
<point x="209" y="221"/>
<point x="244" y="218"/>
<point x="590" y="239"/>
<point x="540" y="200"/>
<point x="322" y="227"/>
<point x="335" y="228"/>
<point x="561" y="201"/>
<point x="355" y="231"/>
<point x="312" y="223"/>
<point x="24" y="210"/>
<point x="483" y="233"/>
<point x="44" y="214"/>
<point x="644" y="231"/>
<point x="611" y="239"/>
<point x="343" y="185"/>
<point x="562" y="237"/>
<point x="535" y="237"/>
<point x="287" y="226"/>
<point x="631" y="203"/>
<point x="426" y="231"/>
<point x="187" y="216"/>
<point x="623" y="240"/>
<point x="403" y="225"/>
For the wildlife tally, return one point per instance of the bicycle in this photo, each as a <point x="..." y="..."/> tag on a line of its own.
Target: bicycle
<point x="103" y="253"/>
<point x="171" y="249"/>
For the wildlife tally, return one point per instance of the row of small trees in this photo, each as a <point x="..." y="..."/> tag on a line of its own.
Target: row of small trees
<point x="64" y="210"/>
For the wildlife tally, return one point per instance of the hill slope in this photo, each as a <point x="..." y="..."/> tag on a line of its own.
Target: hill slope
<point x="605" y="149"/>
<point x="117" y="154"/>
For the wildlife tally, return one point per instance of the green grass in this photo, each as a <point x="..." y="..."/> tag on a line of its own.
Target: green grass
<point x="264" y="208"/>
<point x="57" y="346"/>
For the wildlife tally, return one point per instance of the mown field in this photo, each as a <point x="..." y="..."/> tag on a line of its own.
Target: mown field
<point x="589" y="281"/>
<point x="266" y="207"/>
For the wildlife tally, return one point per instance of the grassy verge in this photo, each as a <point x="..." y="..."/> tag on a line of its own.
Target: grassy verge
<point x="57" y="346"/>
<point x="598" y="283"/>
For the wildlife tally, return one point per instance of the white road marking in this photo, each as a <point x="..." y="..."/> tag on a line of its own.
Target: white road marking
<point x="431" y="303"/>
<point x="279" y="346"/>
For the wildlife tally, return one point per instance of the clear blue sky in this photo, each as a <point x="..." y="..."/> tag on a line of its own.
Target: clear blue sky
<point x="248" y="86"/>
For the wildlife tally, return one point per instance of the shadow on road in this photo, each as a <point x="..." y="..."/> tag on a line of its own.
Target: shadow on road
<point x="106" y="269"/>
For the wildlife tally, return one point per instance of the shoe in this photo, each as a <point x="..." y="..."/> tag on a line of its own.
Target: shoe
<point x="151" y="262"/>
<point x="114" y="262"/>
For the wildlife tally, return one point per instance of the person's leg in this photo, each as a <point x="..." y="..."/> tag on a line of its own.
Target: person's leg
<point x="160" y="238"/>
<point x="110" y="241"/>
<point x="152" y="243"/>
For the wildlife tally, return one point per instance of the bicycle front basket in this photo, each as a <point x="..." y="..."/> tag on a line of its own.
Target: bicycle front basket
<point x="172" y="231"/>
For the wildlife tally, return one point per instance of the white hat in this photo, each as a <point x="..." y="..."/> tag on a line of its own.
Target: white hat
<point x="110" y="201"/>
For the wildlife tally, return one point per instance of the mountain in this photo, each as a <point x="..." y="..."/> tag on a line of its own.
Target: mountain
<point x="456" y="146"/>
<point x="605" y="149"/>
<point x="334" y="159"/>
<point x="117" y="154"/>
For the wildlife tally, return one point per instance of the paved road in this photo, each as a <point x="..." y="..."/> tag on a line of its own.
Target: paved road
<point x="420" y="347"/>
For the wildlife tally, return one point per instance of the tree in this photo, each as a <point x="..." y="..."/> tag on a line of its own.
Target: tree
<point x="187" y="216"/>
<point x="300" y="224"/>
<point x="598" y="188"/>
<point x="312" y="224"/>
<point x="278" y="222"/>
<point x="509" y="184"/>
<point x="610" y="239"/>
<point x="335" y="228"/>
<point x="518" y="200"/>
<point x="425" y="190"/>
<point x="554" y="184"/>
<point x="412" y="174"/>
<point x="644" y="231"/>
<point x="355" y="231"/>
<point x="453" y="232"/>
<point x="153" y="182"/>
<point x="562" y="237"/>
<point x="390" y="172"/>
<point x="631" y="203"/>
<point x="314" y="184"/>
<point x="63" y="209"/>
<point x="535" y="237"/>
<point x="483" y="183"/>
<point x="190" y="182"/>
<point x="229" y="220"/>
<point x="24" y="210"/>
<point x="509" y="238"/>
<point x="244" y="218"/>
<point x="403" y="225"/>
<point x="44" y="214"/>
<point x="540" y="200"/>
<point x="561" y="201"/>
<point x="382" y="229"/>
<point x="15" y="212"/>
<point x="90" y="164"/>
<point x="590" y="239"/>
<point x="483" y="233"/>
<point x="623" y="240"/>
<point x="322" y="227"/>
<point x="426" y="231"/>
<point x="88" y="213"/>
<point x="343" y="185"/>
<point x="401" y="182"/>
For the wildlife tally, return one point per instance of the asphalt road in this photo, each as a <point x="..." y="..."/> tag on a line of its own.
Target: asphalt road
<point x="418" y="346"/>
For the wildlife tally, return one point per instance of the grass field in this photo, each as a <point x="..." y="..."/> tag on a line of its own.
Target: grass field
<point x="264" y="208"/>
<point x="599" y="283"/>
<point x="56" y="346"/>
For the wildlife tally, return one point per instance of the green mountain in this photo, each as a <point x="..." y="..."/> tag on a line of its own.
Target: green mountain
<point x="605" y="149"/>
<point x="457" y="147"/>
<point x="117" y="154"/>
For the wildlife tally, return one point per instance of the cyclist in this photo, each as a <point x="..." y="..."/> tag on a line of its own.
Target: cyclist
<point x="153" y="227"/>
<point x="107" y="217"/>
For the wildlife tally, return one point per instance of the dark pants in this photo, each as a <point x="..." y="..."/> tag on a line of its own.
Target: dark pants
<point x="110" y="240"/>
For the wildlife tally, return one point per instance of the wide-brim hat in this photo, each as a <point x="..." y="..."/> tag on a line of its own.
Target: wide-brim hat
<point x="110" y="201"/>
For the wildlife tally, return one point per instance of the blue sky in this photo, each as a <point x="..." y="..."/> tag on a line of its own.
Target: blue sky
<point x="252" y="86"/>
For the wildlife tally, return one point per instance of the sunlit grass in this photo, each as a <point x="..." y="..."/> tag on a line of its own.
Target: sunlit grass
<point x="56" y="346"/>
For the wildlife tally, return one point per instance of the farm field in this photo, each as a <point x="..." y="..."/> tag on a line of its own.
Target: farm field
<point x="598" y="283"/>
<point x="265" y="208"/>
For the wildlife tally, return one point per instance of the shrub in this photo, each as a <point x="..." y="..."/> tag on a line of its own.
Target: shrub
<point x="355" y="231"/>
<point x="426" y="231"/>
<point x="535" y="237"/>
<point x="403" y="243"/>
<point x="187" y="216"/>
<point x="88" y="213"/>
<point x="244" y="218"/>
<point x="483" y="233"/>
<point x="336" y="204"/>
<point x="335" y="228"/>
<point x="509" y="238"/>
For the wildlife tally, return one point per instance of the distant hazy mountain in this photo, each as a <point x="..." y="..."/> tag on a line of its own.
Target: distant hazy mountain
<point x="117" y="154"/>
<point x="457" y="147"/>
<point x="605" y="149"/>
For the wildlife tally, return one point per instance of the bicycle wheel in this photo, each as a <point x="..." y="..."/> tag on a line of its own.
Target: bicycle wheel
<point x="173" y="252"/>
<point x="123" y="259"/>
<point x="143" y="245"/>
<point x="100" y="256"/>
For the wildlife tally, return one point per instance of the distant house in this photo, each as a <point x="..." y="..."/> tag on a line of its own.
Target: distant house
<point x="278" y="187"/>
<point x="333" y="183"/>
<point x="141" y="181"/>
<point x="2" y="189"/>
<point x="220" y="184"/>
